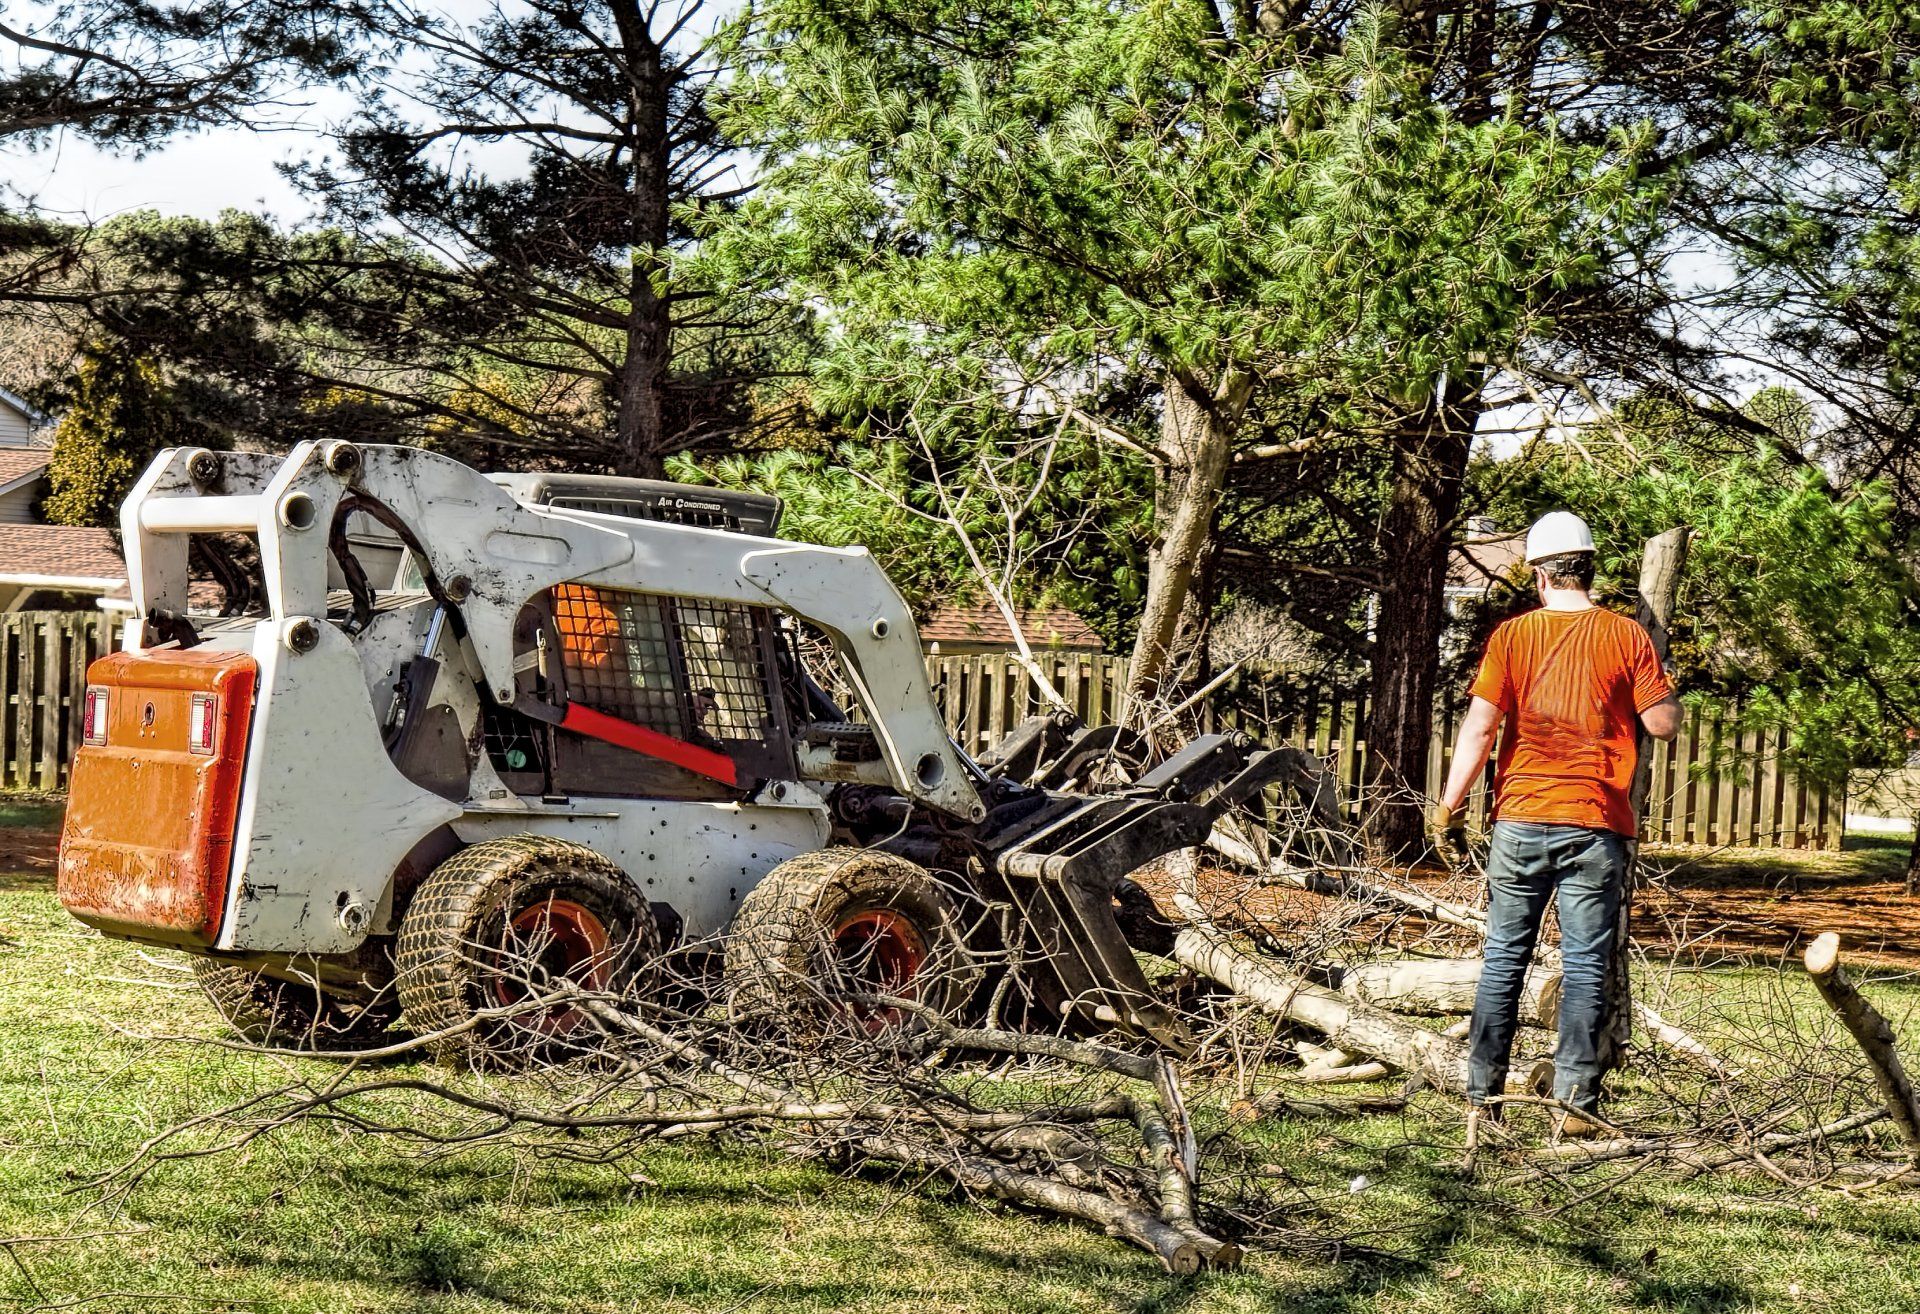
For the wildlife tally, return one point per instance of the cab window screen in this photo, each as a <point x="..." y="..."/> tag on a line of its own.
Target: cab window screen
<point x="693" y="670"/>
<point x="726" y="668"/>
<point x="618" y="656"/>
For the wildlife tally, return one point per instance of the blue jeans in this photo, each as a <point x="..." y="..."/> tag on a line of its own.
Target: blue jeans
<point x="1529" y="862"/>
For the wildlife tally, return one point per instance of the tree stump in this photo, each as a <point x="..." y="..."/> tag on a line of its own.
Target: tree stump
<point x="1873" y="1033"/>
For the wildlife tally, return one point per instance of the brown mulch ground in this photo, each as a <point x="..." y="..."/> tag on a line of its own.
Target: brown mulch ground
<point x="1773" y="906"/>
<point x="31" y="848"/>
<point x="1705" y="904"/>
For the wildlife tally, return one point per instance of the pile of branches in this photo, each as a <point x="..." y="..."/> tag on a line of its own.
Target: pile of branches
<point x="1066" y="1125"/>
<point x="1093" y="1127"/>
<point x="1724" y="1070"/>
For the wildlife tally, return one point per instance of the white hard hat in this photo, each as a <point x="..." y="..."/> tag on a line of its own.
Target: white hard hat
<point x="1557" y="532"/>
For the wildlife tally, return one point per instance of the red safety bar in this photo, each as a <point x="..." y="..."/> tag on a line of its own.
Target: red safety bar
<point x="703" y="761"/>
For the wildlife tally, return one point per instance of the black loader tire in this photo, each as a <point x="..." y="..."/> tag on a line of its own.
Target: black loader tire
<point x="267" y="1010"/>
<point x="846" y="919"/>
<point x="498" y="920"/>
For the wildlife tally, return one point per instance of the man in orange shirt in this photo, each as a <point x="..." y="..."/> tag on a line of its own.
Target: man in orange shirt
<point x="1573" y="683"/>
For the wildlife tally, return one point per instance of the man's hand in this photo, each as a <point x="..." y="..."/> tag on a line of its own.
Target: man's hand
<point x="1448" y="829"/>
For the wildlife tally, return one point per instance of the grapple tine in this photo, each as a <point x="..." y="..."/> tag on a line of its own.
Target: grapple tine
<point x="1074" y="864"/>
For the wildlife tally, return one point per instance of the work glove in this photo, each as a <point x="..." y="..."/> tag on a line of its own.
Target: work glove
<point x="1449" y="832"/>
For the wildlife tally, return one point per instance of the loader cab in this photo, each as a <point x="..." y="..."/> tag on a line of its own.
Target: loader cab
<point x="624" y="693"/>
<point x="631" y="694"/>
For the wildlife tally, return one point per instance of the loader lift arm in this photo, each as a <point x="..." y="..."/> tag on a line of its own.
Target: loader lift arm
<point x="491" y="553"/>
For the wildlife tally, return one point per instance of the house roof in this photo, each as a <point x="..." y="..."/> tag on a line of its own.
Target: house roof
<point x="1044" y="627"/>
<point x="19" y="463"/>
<point x="1480" y="561"/>
<point x="21" y="404"/>
<point x="60" y="551"/>
<point x="81" y="559"/>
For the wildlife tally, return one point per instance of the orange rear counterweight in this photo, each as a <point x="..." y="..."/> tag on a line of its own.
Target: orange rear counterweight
<point x="147" y="846"/>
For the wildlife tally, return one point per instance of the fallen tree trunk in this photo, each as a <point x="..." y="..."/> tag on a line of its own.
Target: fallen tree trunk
<point x="1351" y="1025"/>
<point x="1350" y="885"/>
<point x="1441" y="987"/>
<point x="1872" y="1032"/>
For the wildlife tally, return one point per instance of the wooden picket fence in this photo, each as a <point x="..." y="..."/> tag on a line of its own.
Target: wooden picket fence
<point x="1715" y="784"/>
<point x="45" y="655"/>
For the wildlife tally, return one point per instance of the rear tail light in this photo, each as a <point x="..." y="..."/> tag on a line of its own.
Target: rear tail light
<point x="96" y="726"/>
<point x="200" y="719"/>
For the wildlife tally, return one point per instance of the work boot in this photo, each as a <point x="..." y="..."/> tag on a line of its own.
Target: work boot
<point x="1573" y="1127"/>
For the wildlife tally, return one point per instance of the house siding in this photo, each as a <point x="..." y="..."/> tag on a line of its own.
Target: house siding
<point x="17" y="507"/>
<point x="15" y="429"/>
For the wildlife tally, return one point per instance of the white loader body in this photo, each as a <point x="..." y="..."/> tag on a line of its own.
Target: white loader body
<point x="327" y="818"/>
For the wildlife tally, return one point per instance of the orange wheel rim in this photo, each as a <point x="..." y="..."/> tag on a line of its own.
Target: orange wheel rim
<point x="545" y="941"/>
<point x="883" y="952"/>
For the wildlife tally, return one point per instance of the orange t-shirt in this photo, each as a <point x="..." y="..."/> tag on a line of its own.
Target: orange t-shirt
<point x="1572" y="685"/>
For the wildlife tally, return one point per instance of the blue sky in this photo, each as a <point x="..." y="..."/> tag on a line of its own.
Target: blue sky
<point x="203" y="173"/>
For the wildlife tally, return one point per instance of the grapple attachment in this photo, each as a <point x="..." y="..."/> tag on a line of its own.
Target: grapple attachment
<point x="1062" y="863"/>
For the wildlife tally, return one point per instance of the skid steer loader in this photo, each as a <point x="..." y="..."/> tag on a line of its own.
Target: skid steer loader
<point x="451" y="735"/>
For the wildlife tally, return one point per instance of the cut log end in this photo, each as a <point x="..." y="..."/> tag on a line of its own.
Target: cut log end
<point x="1823" y="955"/>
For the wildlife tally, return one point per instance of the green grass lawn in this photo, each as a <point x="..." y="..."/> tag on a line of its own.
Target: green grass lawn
<point x="318" y="1219"/>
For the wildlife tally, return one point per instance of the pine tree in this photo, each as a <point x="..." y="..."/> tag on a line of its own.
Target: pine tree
<point x="540" y="159"/>
<point x="128" y="74"/>
<point x="1182" y="228"/>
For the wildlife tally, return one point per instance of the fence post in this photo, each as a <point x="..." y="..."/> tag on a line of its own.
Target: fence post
<point x="47" y="765"/>
<point x="1767" y="783"/>
<point x="29" y="675"/>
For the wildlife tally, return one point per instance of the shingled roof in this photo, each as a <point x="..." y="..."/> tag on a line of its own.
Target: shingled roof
<point x="17" y="463"/>
<point x="1484" y="559"/>
<point x="60" y="551"/>
<point x="1044" y="627"/>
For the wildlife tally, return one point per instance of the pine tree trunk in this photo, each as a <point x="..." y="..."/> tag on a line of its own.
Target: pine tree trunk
<point x="1416" y="540"/>
<point x="1196" y="440"/>
<point x="640" y="434"/>
<point x="641" y="440"/>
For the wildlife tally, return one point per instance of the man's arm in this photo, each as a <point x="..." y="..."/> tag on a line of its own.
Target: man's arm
<point x="1662" y="720"/>
<point x="1660" y="715"/>
<point x="1470" y="750"/>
